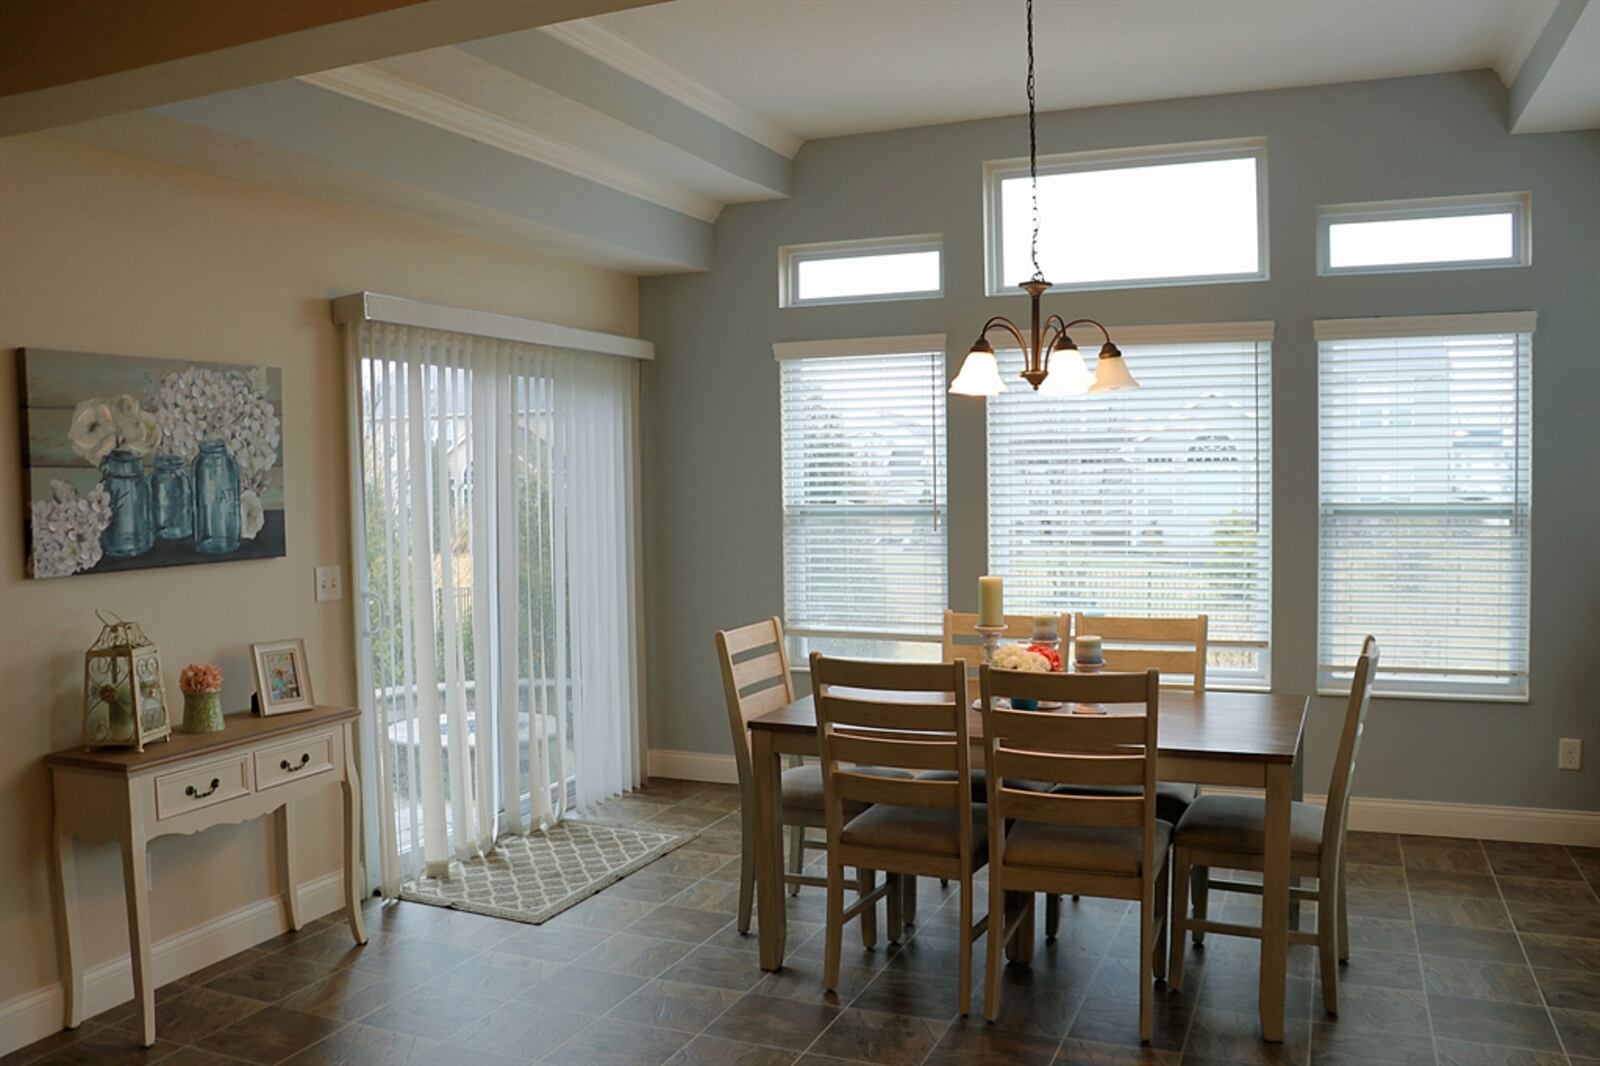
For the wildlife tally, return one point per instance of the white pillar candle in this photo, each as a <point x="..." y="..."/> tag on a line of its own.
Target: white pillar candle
<point x="1086" y="649"/>
<point x="991" y="601"/>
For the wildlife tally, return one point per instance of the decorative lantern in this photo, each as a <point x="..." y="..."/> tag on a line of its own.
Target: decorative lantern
<point x="124" y="692"/>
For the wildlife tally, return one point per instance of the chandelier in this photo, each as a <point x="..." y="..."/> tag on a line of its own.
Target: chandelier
<point x="1053" y="365"/>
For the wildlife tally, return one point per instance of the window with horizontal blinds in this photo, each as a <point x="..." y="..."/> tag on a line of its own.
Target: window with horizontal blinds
<point x="1154" y="502"/>
<point x="864" y="525"/>
<point x="1425" y="500"/>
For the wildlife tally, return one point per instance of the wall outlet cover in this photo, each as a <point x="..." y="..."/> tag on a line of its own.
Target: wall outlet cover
<point x="1569" y="755"/>
<point x="330" y="583"/>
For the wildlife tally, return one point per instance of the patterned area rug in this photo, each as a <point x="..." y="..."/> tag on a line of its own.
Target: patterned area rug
<point x="534" y="878"/>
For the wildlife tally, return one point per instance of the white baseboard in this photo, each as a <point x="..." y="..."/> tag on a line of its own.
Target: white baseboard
<point x="694" y="766"/>
<point x="37" y="1014"/>
<point x="1533" y="825"/>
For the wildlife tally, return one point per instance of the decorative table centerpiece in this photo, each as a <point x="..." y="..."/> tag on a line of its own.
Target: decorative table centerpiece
<point x="202" y="698"/>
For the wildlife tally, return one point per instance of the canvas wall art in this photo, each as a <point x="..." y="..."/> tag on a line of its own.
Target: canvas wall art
<point x="134" y="463"/>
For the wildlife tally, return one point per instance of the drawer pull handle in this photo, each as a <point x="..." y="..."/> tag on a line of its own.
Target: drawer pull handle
<point x="295" y="767"/>
<point x="216" y="783"/>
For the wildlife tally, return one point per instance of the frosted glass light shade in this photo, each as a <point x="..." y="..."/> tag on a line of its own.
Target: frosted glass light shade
<point x="980" y="376"/>
<point x="1068" y="376"/>
<point x="1111" y="374"/>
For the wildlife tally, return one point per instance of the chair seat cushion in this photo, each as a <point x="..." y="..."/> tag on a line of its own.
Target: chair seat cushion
<point x="1083" y="848"/>
<point x="980" y="783"/>
<point x="1172" y="797"/>
<point x="929" y="830"/>
<point x="802" y="785"/>
<point x="1239" y="823"/>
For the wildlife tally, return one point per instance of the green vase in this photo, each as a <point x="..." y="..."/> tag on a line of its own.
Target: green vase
<point x="202" y="712"/>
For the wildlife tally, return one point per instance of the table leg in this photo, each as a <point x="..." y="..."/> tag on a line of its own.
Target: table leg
<point x="286" y="862"/>
<point x="353" y="889"/>
<point x="1299" y="794"/>
<point x="66" y="889"/>
<point x="1275" y="900"/>
<point x="771" y="922"/>
<point x="136" y="883"/>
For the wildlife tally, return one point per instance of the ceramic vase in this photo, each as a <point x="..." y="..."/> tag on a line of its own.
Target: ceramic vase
<point x="202" y="712"/>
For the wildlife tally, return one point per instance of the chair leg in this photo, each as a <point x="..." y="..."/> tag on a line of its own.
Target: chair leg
<point x="1343" y="913"/>
<point x="1158" y="960"/>
<point x="1147" y="946"/>
<point x="866" y="881"/>
<point x="994" y="945"/>
<point x="894" y="932"/>
<point x="1178" y="917"/>
<point x="908" y="906"/>
<point x="965" y="946"/>
<point x="1328" y="905"/>
<point x="1022" y="946"/>
<point x="834" y="930"/>
<point x="797" y="854"/>
<point x="1052" y="915"/>
<point x="747" y="877"/>
<point x="1200" y="891"/>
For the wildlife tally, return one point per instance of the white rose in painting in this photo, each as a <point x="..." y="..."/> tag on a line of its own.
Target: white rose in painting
<point x="251" y="515"/>
<point x="137" y="429"/>
<point x="93" y="431"/>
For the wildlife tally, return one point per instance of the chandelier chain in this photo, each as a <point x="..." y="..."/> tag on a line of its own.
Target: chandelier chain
<point x="1033" y="152"/>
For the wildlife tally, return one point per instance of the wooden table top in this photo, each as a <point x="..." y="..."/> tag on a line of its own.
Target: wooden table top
<point x="240" y="729"/>
<point x="1252" y="726"/>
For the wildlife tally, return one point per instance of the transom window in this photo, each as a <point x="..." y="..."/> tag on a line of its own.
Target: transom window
<point x="1177" y="215"/>
<point x="1425" y="502"/>
<point x="864" y="494"/>
<point x="893" y="268"/>
<point x="1443" y="233"/>
<point x="1155" y="501"/>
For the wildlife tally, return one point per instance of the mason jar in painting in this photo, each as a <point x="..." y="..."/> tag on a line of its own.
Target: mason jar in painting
<point x="216" y="500"/>
<point x="132" y="528"/>
<point x="174" y="492"/>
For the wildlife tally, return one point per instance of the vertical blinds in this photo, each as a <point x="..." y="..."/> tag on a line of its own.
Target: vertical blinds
<point x="1151" y="502"/>
<point x="1425" y="469"/>
<point x="864" y="492"/>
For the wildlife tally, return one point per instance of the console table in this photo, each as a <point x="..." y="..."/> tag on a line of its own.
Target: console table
<point x="254" y="767"/>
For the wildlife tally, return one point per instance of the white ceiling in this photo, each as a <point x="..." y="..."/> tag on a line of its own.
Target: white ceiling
<point x="888" y="64"/>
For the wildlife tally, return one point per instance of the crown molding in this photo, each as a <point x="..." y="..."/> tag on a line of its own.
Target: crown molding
<point x="381" y="89"/>
<point x="595" y="40"/>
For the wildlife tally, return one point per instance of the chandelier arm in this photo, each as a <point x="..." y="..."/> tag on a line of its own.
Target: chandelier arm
<point x="1089" y="322"/>
<point x="1010" y="327"/>
<point x="1054" y="330"/>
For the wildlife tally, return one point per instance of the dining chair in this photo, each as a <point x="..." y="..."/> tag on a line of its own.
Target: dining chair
<point x="1171" y="645"/>
<point x="1228" y="832"/>
<point x="1088" y="844"/>
<point x="910" y="716"/>
<point x="758" y="683"/>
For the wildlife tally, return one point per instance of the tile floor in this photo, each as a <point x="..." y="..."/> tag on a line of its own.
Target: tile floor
<point x="1464" y="953"/>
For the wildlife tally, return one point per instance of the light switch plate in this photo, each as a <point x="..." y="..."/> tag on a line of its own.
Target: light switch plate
<point x="330" y="583"/>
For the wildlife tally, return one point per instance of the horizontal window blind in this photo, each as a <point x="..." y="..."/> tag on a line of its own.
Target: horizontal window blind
<point x="864" y="528"/>
<point x="1425" y="496"/>
<point x="1155" y="502"/>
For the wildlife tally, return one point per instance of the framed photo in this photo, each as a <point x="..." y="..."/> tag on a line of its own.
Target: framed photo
<point x="283" y="678"/>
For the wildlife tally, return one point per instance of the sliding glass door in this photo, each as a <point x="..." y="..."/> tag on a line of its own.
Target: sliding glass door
<point x="495" y="553"/>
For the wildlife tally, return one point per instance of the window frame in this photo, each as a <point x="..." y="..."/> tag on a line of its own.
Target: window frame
<point x="791" y="256"/>
<point x="1259" y="333"/>
<point x="799" y="638"/>
<point x="995" y="172"/>
<point x="1519" y="204"/>
<point x="1456" y="686"/>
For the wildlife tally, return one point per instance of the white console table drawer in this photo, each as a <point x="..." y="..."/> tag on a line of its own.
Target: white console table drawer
<point x="294" y="761"/>
<point x="191" y="788"/>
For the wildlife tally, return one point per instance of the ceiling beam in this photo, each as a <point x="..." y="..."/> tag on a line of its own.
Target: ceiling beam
<point x="65" y="62"/>
<point x="1558" y="85"/>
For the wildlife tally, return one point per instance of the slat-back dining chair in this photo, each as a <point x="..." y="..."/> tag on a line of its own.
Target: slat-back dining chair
<point x="1112" y="845"/>
<point x="755" y="685"/>
<point x="1229" y="831"/>
<point x="1174" y="646"/>
<point x="911" y="716"/>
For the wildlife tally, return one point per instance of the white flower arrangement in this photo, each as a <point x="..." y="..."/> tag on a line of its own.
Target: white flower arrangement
<point x="1017" y="657"/>
<point x="101" y="426"/>
<point x="67" y="528"/>
<point x="198" y="404"/>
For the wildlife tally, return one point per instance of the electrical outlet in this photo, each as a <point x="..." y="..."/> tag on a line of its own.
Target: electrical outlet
<point x="1569" y="756"/>
<point x="330" y="583"/>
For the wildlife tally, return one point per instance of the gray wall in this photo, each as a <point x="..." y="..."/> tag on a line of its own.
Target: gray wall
<point x="714" y="527"/>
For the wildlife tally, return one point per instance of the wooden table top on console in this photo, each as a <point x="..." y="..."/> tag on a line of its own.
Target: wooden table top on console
<point x="245" y="728"/>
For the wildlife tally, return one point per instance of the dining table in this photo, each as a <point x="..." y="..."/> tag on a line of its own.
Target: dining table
<point x="1228" y="739"/>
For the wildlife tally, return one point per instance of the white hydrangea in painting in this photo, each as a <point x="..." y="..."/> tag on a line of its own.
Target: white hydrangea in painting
<point x="67" y="528"/>
<point x="198" y="404"/>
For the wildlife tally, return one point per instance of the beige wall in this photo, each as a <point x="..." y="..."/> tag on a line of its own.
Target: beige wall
<point x="105" y="253"/>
